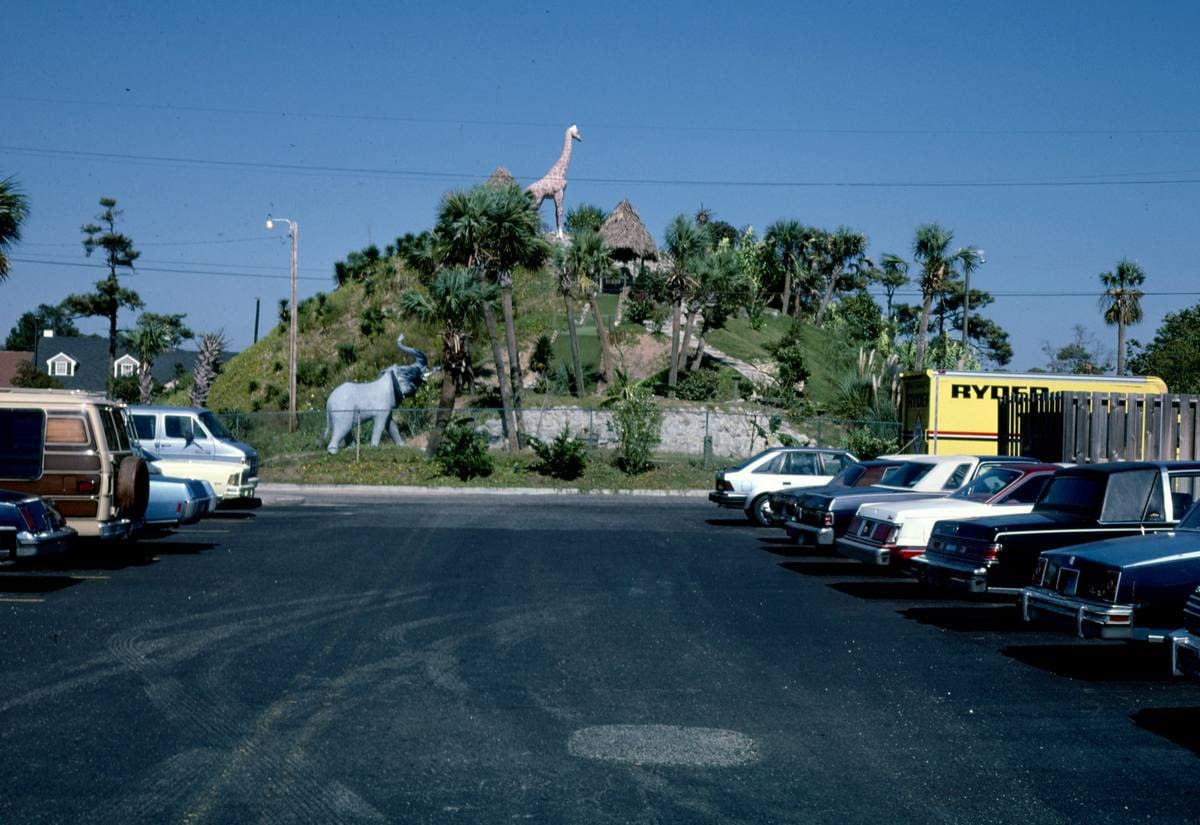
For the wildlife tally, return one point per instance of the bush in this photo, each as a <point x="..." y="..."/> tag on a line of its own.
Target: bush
<point x="347" y="353"/>
<point x="564" y="457"/>
<point x="702" y="385"/>
<point x="638" y="422"/>
<point x="463" y="452"/>
<point x="869" y="442"/>
<point x="28" y="375"/>
<point x="312" y="373"/>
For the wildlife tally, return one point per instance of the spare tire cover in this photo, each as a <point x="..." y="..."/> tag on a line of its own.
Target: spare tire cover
<point x="133" y="488"/>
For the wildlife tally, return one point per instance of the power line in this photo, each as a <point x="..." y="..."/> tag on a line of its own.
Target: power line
<point x="655" y="127"/>
<point x="161" y="270"/>
<point x="1045" y="183"/>
<point x="256" y="238"/>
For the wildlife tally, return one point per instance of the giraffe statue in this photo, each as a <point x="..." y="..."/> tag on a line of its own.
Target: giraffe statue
<point x="554" y="184"/>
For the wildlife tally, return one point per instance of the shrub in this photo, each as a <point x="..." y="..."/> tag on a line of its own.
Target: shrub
<point x="347" y="353"/>
<point x="312" y="373"/>
<point x="564" y="457"/>
<point x="868" y="442"/>
<point x="702" y="385"/>
<point x="463" y="452"/>
<point x="543" y="355"/>
<point x="638" y="422"/>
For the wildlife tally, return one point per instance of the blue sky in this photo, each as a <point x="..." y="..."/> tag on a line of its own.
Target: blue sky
<point x="1059" y="137"/>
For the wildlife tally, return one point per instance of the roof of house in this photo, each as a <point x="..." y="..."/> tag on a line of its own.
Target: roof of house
<point x="10" y="362"/>
<point x="90" y="352"/>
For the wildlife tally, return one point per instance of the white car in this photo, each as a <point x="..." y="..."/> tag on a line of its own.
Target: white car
<point x="747" y="486"/>
<point x="892" y="532"/>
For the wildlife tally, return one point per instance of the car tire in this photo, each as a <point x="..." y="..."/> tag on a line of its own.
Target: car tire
<point x="760" y="511"/>
<point x="133" y="488"/>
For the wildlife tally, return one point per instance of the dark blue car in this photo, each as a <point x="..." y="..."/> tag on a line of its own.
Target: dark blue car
<point x="30" y="527"/>
<point x="1123" y="588"/>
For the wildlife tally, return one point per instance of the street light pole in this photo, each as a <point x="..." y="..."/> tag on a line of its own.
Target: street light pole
<point x="294" y="233"/>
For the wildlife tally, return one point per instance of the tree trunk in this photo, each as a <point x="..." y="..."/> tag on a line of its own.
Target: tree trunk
<point x="673" y="373"/>
<point x="923" y="332"/>
<point x="514" y="357"/>
<point x="1120" y="347"/>
<point x="787" y="290"/>
<point x="699" y="359"/>
<point x="689" y="324"/>
<point x="576" y="361"/>
<point x="602" y="334"/>
<point x="445" y="410"/>
<point x="112" y="350"/>
<point x="510" y="425"/>
<point x="826" y="299"/>
<point x="145" y="384"/>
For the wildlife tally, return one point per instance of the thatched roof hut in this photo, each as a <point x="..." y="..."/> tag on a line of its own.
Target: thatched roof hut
<point x="501" y="177"/>
<point x="625" y="234"/>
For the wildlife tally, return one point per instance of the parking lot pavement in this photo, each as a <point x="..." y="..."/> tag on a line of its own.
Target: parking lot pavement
<point x="561" y="659"/>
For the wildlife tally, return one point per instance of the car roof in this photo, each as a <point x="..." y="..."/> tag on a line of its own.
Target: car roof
<point x="154" y="408"/>
<point x="1128" y="466"/>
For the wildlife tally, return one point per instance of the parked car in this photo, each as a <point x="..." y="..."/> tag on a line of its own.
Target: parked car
<point x="72" y="448"/>
<point x="1126" y="588"/>
<point x="822" y="517"/>
<point x="191" y="442"/>
<point x="784" y="503"/>
<point x="891" y="532"/>
<point x="30" y="526"/>
<point x="177" y="501"/>
<point x="1079" y="505"/>
<point x="1185" y="642"/>
<point x="748" y="486"/>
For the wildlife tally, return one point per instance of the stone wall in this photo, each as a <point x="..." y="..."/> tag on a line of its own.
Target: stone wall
<point x="734" y="431"/>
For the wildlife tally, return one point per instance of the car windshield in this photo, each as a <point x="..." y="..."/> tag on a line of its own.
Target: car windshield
<point x="987" y="484"/>
<point x="907" y="475"/>
<point x="214" y="425"/>
<point x="849" y="475"/>
<point x="1191" y="521"/>
<point x="739" y="466"/>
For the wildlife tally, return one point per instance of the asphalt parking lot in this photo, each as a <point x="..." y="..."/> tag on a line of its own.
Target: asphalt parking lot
<point x="557" y="659"/>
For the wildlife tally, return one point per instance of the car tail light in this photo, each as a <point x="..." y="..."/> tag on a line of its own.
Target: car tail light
<point x="855" y="524"/>
<point x="1039" y="572"/>
<point x="827" y="518"/>
<point x="86" y="485"/>
<point x="725" y="486"/>
<point x="27" y="516"/>
<point x="882" y="531"/>
<point x="991" y="551"/>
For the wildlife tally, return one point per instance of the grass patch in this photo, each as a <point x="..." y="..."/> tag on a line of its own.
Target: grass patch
<point x="389" y="464"/>
<point x="738" y="339"/>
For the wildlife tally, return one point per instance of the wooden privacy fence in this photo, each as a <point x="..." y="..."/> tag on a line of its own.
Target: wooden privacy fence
<point x="1092" y="427"/>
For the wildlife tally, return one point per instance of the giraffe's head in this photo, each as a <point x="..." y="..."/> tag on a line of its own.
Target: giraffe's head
<point x="573" y="132"/>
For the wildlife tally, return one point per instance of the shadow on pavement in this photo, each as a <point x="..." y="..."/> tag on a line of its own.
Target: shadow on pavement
<point x="1178" y="725"/>
<point x="178" y="548"/>
<point x="984" y="618"/>
<point x="228" y="515"/>
<point x="1098" y="661"/>
<point x="824" y="568"/>
<point x="25" y="584"/>
<point x="888" y="589"/>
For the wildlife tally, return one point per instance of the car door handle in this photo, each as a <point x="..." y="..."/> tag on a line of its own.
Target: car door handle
<point x="787" y="484"/>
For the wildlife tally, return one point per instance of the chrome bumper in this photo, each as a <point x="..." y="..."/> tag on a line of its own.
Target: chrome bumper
<point x="953" y="575"/>
<point x="1185" y="654"/>
<point x="874" y="554"/>
<point x="733" y="500"/>
<point x="807" y="534"/>
<point x="244" y="490"/>
<point x="117" y="530"/>
<point x="1090" y="619"/>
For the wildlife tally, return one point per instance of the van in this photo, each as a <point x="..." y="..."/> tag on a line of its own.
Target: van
<point x="191" y="442"/>
<point x="73" y="448"/>
<point x="956" y="413"/>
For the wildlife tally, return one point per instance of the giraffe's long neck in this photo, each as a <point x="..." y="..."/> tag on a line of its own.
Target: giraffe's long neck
<point x="564" y="160"/>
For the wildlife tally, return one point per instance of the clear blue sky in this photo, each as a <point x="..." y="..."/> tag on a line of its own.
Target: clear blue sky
<point x="1059" y="137"/>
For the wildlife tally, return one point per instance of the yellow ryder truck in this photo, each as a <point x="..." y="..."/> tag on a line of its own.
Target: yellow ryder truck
<point x="949" y="413"/>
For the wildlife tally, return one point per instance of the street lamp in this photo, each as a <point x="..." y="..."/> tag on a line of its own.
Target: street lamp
<point x="293" y="233"/>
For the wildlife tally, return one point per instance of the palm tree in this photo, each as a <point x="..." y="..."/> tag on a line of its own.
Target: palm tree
<point x="567" y="268"/>
<point x="685" y="243"/>
<point x="593" y="265"/>
<point x="153" y="335"/>
<point x="841" y="256"/>
<point x="456" y="302"/>
<point x="1122" y="302"/>
<point x="892" y="274"/>
<point x="14" y="209"/>
<point x="786" y="239"/>
<point x="931" y="249"/>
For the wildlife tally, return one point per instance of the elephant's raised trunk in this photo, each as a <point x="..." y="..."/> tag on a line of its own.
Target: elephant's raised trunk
<point x="418" y="357"/>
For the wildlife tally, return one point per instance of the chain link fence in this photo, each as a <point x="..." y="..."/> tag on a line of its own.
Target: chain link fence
<point x="709" y="433"/>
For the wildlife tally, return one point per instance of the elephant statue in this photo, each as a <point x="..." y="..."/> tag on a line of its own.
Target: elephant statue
<point x="351" y="402"/>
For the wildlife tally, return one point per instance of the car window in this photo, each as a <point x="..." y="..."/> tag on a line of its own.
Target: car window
<point x="800" y="464"/>
<point x="907" y="475"/>
<point x="957" y="477"/>
<point x="1081" y="493"/>
<point x="22" y="434"/>
<point x="144" y="425"/>
<point x="1027" y="491"/>
<point x="834" y="462"/>
<point x="177" y="426"/>
<point x="1184" y="489"/>
<point x="66" y="429"/>
<point x="116" y="433"/>
<point x="1132" y="496"/>
<point x="852" y="474"/>
<point x="771" y="466"/>
<point x="987" y="484"/>
<point x="214" y="425"/>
